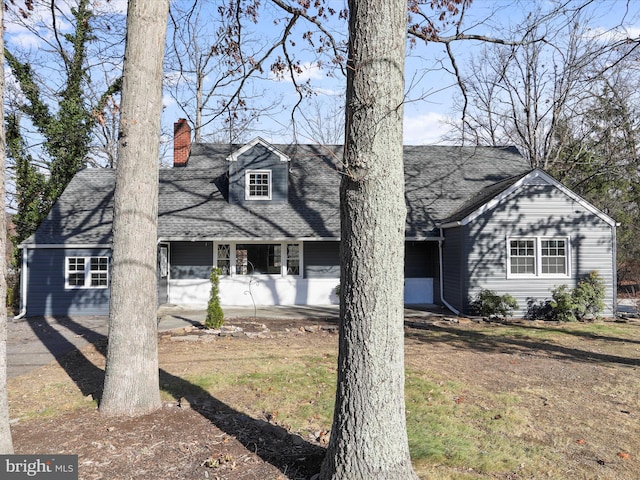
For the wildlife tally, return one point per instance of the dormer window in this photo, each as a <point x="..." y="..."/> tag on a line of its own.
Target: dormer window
<point x="258" y="185"/>
<point x="258" y="172"/>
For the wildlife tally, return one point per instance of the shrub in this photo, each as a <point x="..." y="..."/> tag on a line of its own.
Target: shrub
<point x="587" y="299"/>
<point x="563" y="304"/>
<point x="489" y="304"/>
<point x="215" y="315"/>
<point x="539" y="309"/>
<point x="589" y="294"/>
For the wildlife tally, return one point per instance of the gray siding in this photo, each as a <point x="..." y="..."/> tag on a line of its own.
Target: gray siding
<point x="258" y="158"/>
<point x="46" y="290"/>
<point x="190" y="260"/>
<point x="321" y="260"/>
<point x="539" y="211"/>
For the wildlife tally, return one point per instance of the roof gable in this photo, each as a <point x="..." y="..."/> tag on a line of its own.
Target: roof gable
<point x="252" y="144"/>
<point x="499" y="192"/>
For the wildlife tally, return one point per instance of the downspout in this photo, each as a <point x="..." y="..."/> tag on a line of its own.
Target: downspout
<point x="444" y="301"/>
<point x="614" y="269"/>
<point x="23" y="286"/>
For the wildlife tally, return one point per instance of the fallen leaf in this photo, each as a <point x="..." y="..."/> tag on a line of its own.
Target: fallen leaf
<point x="624" y="455"/>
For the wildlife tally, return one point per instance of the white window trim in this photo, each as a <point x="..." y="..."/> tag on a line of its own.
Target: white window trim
<point x="87" y="273"/>
<point x="247" y="176"/>
<point x="537" y="245"/>
<point x="283" y="258"/>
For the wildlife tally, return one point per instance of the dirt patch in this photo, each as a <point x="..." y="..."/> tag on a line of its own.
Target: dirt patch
<point x="174" y="443"/>
<point x="577" y="394"/>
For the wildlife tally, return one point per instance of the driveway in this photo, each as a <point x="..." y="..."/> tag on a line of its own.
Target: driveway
<point x="38" y="341"/>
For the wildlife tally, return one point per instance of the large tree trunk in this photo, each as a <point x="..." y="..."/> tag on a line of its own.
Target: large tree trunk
<point x="131" y="385"/>
<point x="6" y="444"/>
<point x="369" y="437"/>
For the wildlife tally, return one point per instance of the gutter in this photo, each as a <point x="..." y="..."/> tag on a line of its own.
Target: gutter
<point x="444" y="301"/>
<point x="23" y="286"/>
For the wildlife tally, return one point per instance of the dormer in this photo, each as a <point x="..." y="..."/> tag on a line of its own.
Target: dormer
<point x="258" y="172"/>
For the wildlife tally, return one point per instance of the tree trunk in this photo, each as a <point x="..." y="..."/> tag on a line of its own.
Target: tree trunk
<point x="6" y="444"/>
<point x="131" y="385"/>
<point x="369" y="437"/>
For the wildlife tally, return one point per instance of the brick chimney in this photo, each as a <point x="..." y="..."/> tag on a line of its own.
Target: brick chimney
<point x="181" y="143"/>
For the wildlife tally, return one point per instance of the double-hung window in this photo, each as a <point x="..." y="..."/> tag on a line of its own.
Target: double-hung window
<point x="258" y="185"/>
<point x="553" y="256"/>
<point x="87" y="272"/>
<point x="523" y="257"/>
<point x="536" y="256"/>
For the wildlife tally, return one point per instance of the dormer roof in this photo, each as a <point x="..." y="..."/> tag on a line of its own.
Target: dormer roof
<point x="256" y="141"/>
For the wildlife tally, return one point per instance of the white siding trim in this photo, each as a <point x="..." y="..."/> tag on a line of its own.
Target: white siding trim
<point x="258" y="140"/>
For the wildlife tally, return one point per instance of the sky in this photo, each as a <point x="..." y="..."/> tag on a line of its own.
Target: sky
<point x="433" y="92"/>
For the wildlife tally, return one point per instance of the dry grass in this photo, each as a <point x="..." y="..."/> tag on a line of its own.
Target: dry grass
<point x="534" y="400"/>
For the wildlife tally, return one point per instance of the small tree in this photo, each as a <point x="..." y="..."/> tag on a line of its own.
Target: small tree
<point x="215" y="315"/>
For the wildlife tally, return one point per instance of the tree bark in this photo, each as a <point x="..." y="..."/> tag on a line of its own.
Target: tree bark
<point x="6" y="443"/>
<point x="131" y="385"/>
<point x="369" y="437"/>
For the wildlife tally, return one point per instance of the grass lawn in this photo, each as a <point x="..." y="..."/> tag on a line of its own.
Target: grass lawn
<point x="520" y="400"/>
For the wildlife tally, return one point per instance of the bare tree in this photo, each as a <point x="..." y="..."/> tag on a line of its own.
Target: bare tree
<point x="6" y="443"/>
<point x="369" y="436"/>
<point x="206" y="71"/>
<point x="323" y="120"/>
<point x="131" y="385"/>
<point x="520" y="92"/>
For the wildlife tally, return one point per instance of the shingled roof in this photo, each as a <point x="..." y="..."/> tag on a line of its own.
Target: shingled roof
<point x="440" y="181"/>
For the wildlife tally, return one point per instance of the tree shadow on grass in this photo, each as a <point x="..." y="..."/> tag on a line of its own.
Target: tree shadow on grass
<point x="473" y="340"/>
<point x="291" y="454"/>
<point x="581" y="334"/>
<point x="88" y="377"/>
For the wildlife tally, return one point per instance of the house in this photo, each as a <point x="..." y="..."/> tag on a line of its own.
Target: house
<point x="268" y="217"/>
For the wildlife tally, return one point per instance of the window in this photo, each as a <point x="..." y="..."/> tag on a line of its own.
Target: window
<point x="538" y="257"/>
<point x="258" y="185"/>
<point x="76" y="272"/>
<point x="554" y="256"/>
<point x="224" y="258"/>
<point x="259" y="258"/>
<point x="87" y="272"/>
<point x="293" y="259"/>
<point x="163" y="263"/>
<point x="523" y="259"/>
